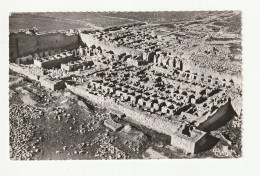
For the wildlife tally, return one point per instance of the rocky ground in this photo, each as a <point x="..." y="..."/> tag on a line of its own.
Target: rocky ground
<point x="58" y="125"/>
<point x="61" y="126"/>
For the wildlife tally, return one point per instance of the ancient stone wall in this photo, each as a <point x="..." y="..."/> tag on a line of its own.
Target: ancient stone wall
<point x="22" y="44"/>
<point x="21" y="70"/>
<point x="182" y="143"/>
<point x="52" y="85"/>
<point x="89" y="40"/>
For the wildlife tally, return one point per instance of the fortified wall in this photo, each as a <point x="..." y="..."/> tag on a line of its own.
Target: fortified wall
<point x="23" y="71"/>
<point x="23" y="44"/>
<point x="89" y="40"/>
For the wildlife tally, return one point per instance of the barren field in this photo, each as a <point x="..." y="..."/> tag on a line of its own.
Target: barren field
<point x="67" y="20"/>
<point x="64" y="21"/>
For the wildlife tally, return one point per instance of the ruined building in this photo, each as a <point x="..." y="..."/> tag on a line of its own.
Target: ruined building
<point x="154" y="89"/>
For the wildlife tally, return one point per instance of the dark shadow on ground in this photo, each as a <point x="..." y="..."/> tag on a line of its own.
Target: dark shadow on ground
<point x="220" y="119"/>
<point x="210" y="143"/>
<point x="90" y="106"/>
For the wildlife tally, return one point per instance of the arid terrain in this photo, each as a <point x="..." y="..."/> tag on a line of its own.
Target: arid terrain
<point x="192" y="60"/>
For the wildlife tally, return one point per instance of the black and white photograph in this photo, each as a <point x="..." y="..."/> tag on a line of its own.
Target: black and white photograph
<point x="125" y="85"/>
<point x="129" y="87"/>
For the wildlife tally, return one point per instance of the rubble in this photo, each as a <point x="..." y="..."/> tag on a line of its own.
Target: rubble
<point x="224" y="151"/>
<point x="23" y="141"/>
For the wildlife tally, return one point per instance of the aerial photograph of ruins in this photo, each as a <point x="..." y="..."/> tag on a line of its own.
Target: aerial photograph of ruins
<point x="125" y="85"/>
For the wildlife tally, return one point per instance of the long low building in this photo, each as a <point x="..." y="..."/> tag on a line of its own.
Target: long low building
<point x="55" y="60"/>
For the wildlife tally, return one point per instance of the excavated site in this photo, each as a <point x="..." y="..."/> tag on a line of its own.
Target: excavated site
<point x="148" y="89"/>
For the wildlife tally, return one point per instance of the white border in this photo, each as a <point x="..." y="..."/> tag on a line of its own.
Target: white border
<point x="247" y="165"/>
